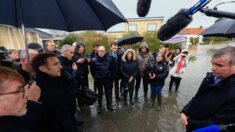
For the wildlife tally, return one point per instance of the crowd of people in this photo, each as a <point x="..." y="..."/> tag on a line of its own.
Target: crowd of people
<point x="50" y="82"/>
<point x="56" y="78"/>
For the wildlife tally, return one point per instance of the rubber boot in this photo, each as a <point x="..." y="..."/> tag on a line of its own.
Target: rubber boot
<point x="176" y="88"/>
<point x="99" y="110"/>
<point x="136" y="94"/>
<point x="131" y="97"/>
<point x="109" y="104"/>
<point x="152" y="96"/>
<point x="159" y="103"/>
<point x="146" y="94"/>
<point x="125" y="97"/>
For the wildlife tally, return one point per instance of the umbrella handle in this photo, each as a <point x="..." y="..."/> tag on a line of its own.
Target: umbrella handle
<point x="27" y="52"/>
<point x="20" y="22"/>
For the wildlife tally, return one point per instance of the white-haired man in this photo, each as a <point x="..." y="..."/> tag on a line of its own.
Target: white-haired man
<point x="101" y="71"/>
<point x="23" y="68"/>
<point x="66" y="60"/>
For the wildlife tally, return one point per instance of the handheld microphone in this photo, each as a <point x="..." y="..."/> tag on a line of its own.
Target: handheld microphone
<point x="215" y="128"/>
<point x="212" y="128"/>
<point x="182" y="19"/>
<point x="216" y="13"/>
<point x="143" y="7"/>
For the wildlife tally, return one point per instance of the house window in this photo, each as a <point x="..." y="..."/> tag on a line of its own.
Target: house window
<point x="117" y="28"/>
<point x="132" y="27"/>
<point x="152" y="27"/>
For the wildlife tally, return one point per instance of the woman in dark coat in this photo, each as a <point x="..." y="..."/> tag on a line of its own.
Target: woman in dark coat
<point x="82" y="60"/>
<point x="157" y="71"/>
<point x="129" y="70"/>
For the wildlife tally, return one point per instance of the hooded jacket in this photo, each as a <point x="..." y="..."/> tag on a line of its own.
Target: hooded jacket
<point x="129" y="68"/>
<point x="144" y="59"/>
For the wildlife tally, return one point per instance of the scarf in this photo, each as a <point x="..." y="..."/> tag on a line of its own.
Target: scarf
<point x="179" y="66"/>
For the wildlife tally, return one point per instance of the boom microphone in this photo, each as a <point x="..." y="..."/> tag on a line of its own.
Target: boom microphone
<point x="143" y="7"/>
<point x="218" y="14"/>
<point x="179" y="21"/>
<point x="174" y="25"/>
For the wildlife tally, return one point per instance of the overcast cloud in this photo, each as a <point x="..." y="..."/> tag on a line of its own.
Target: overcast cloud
<point x="168" y="8"/>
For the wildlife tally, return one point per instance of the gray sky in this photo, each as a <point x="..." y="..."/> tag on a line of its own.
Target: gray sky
<point x="168" y="8"/>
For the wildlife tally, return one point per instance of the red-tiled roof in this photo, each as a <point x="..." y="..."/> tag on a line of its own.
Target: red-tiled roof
<point x="191" y="31"/>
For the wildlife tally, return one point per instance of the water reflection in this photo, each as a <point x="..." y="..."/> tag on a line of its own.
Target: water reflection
<point x="141" y="118"/>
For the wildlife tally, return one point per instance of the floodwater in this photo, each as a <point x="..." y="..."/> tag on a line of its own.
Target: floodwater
<point x="140" y="117"/>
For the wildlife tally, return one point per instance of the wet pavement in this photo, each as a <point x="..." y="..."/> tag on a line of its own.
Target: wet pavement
<point x="140" y="117"/>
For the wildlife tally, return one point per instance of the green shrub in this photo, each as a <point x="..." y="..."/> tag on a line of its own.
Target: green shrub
<point x="89" y="38"/>
<point x="208" y="40"/>
<point x="193" y="40"/>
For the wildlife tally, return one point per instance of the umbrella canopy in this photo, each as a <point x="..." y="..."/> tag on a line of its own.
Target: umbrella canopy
<point x="223" y="28"/>
<point x="35" y="46"/>
<point x="176" y="39"/>
<point x="66" y="15"/>
<point x="130" y="39"/>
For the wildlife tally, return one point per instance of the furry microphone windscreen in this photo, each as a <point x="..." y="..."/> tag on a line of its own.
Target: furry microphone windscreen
<point x="143" y="7"/>
<point x="174" y="25"/>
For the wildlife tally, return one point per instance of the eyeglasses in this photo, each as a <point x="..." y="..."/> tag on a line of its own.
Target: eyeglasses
<point x="101" y="51"/>
<point x="21" y="89"/>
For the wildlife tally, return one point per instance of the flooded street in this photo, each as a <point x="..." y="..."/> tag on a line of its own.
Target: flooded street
<point x="141" y="118"/>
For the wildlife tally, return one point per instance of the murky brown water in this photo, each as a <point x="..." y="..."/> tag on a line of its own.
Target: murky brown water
<point x="141" y="118"/>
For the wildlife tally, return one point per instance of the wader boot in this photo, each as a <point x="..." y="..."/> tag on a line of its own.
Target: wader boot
<point x="109" y="104"/>
<point x="99" y="110"/>
<point x="136" y="94"/>
<point x="125" y="97"/>
<point x="131" y="96"/>
<point x="159" y="103"/>
<point x="152" y="96"/>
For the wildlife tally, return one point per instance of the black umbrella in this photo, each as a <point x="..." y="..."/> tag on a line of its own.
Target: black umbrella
<point x="223" y="28"/>
<point x="66" y="15"/>
<point x="130" y="39"/>
<point x="36" y="47"/>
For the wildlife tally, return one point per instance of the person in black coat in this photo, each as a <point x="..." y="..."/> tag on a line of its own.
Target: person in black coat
<point x="116" y="61"/>
<point x="101" y="72"/>
<point x="13" y="99"/>
<point x="14" y="56"/>
<point x="23" y="68"/>
<point x="157" y="71"/>
<point x="214" y="103"/>
<point x="33" y="115"/>
<point x="51" y="48"/>
<point x="92" y="55"/>
<point x="82" y="60"/>
<point x="56" y="94"/>
<point x="66" y="60"/>
<point x="12" y="124"/>
<point x="94" y="51"/>
<point x="129" y="70"/>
